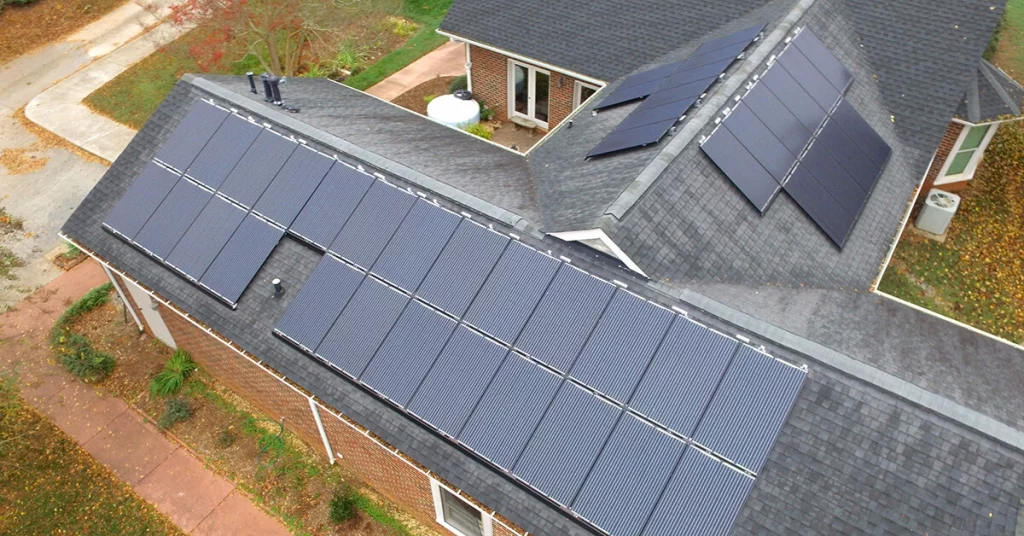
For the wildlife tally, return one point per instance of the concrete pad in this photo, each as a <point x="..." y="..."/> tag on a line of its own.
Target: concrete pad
<point x="130" y="447"/>
<point x="81" y="411"/>
<point x="448" y="59"/>
<point x="238" y="516"/>
<point x="39" y="386"/>
<point x="184" y="490"/>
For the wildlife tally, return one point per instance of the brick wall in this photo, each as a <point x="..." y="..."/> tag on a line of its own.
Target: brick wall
<point x="394" y="476"/>
<point x="945" y="147"/>
<point x="490" y="84"/>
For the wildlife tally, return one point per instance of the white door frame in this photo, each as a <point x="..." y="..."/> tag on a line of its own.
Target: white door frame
<point x="531" y="92"/>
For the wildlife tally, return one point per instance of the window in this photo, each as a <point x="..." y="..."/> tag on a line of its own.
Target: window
<point x="457" y="515"/>
<point x="966" y="154"/>
<point x="582" y="92"/>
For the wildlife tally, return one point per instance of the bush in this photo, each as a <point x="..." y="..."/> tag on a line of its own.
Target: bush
<point x="226" y="438"/>
<point x="343" y="505"/>
<point x="459" y="83"/>
<point x="93" y="299"/>
<point x="175" y="411"/>
<point x="177" y="369"/>
<point x="479" y="130"/>
<point x="486" y="113"/>
<point x="402" y="27"/>
<point x="81" y="359"/>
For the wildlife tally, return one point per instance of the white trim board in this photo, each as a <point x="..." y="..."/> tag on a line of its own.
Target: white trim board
<point x="600" y="235"/>
<point x="520" y="57"/>
<point x="435" y="490"/>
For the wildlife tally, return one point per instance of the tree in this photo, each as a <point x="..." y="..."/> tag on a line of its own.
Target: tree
<point x="278" y="32"/>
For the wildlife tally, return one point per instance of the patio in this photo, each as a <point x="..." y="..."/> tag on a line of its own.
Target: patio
<point x="505" y="134"/>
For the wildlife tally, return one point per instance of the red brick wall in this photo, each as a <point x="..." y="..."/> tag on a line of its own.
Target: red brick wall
<point x="490" y="84"/>
<point x="945" y="147"/>
<point x="391" y="474"/>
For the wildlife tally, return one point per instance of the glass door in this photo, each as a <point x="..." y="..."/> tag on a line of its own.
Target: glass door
<point x="528" y="93"/>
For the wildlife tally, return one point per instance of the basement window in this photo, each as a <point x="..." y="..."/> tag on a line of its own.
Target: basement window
<point x="963" y="160"/>
<point x="457" y="515"/>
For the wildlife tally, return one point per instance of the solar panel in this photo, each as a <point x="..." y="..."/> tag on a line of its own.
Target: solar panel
<point x="623" y="342"/>
<point x="191" y="135"/>
<point x="372" y="224"/>
<point x="823" y="60"/>
<point x="809" y="78"/>
<point x="140" y="200"/>
<point x="682" y="84"/>
<point x="753" y="181"/>
<point x="258" y="166"/>
<point x="293" y="185"/>
<point x="172" y="218"/>
<point x="243" y="256"/>
<point x="457" y="380"/>
<point x="778" y="119"/>
<point x="223" y="151"/>
<point x="565" y="317"/>
<point x="683" y="375"/>
<point x="331" y="205"/>
<point x="704" y="495"/>
<point x="794" y="97"/>
<point x="408" y="353"/>
<point x="323" y="296"/>
<point x="509" y="410"/>
<point x="510" y="294"/>
<point x="417" y="243"/>
<point x="749" y="408"/>
<point x="206" y="237"/>
<point x="627" y="479"/>
<point x="362" y="326"/>
<point x="865" y="137"/>
<point x="566" y="442"/>
<point x="460" y="270"/>
<point x="760" y="142"/>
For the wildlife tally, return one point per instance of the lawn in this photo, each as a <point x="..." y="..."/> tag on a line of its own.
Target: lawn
<point x="52" y="486"/>
<point x="134" y="95"/>
<point x="1007" y="49"/>
<point x="977" y="275"/>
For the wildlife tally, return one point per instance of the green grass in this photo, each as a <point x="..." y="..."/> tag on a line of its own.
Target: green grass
<point x="52" y="486"/>
<point x="429" y="14"/>
<point x="1006" y="50"/>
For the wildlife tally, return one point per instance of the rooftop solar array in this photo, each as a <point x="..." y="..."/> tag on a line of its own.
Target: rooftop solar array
<point x="670" y="90"/>
<point x="221" y="193"/>
<point x="793" y="131"/>
<point x="628" y="415"/>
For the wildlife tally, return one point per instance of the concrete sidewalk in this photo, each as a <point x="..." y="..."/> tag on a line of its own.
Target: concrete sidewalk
<point x="448" y="59"/>
<point x="160" y="470"/>
<point x="59" y="109"/>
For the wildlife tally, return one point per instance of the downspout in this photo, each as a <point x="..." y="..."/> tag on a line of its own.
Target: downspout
<point x="469" y="68"/>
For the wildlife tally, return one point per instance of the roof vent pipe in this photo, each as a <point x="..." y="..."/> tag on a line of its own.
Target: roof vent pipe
<point x="275" y="88"/>
<point x="267" y="93"/>
<point x="278" y="289"/>
<point x="252" y="83"/>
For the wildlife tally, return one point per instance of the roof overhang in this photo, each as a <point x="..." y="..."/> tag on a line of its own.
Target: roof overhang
<point x="599" y="240"/>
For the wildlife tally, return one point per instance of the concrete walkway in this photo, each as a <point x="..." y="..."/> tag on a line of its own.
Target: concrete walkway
<point x="448" y="59"/>
<point x="160" y="470"/>
<point x="60" y="109"/>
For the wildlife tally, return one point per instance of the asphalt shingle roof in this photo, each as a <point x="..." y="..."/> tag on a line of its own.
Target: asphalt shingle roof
<point x="852" y="459"/>
<point x="991" y="95"/>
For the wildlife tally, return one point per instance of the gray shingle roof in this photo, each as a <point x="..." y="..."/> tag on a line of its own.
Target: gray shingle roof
<point x="991" y="95"/>
<point x="852" y="459"/>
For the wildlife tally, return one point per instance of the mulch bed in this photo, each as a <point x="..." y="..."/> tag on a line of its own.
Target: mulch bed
<point x="414" y="99"/>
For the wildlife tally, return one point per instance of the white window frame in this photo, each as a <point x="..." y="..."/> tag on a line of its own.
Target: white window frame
<point x="577" y="90"/>
<point x="972" y="166"/>
<point x="435" y="489"/>
<point x="531" y="77"/>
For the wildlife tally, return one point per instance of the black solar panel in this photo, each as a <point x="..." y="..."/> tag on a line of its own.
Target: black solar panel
<point x="172" y="218"/>
<point x="566" y="443"/>
<point x="362" y="326"/>
<point x="331" y="205"/>
<point x="753" y="181"/>
<point x="460" y="270"/>
<point x="191" y="135"/>
<point x="416" y="245"/>
<point x="243" y="256"/>
<point x="372" y="224"/>
<point x="627" y="479"/>
<point x="623" y="342"/>
<point x="823" y="60"/>
<point x="513" y="289"/>
<point x="809" y="78"/>
<point x="223" y="151"/>
<point x="760" y="142"/>
<point x="293" y="185"/>
<point x="682" y="83"/>
<point x="457" y="380"/>
<point x="509" y="410"/>
<point x="863" y="136"/>
<point x="794" y="97"/>
<point x="704" y="495"/>
<point x="323" y="296"/>
<point x="206" y="237"/>
<point x="140" y="200"/>
<point x="257" y="168"/>
<point x="749" y="408"/>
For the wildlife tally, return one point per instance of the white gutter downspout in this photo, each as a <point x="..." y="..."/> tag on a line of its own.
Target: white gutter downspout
<point x="469" y="69"/>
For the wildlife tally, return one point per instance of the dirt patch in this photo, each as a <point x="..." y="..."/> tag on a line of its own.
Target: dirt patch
<point x="22" y="160"/>
<point x="67" y="261"/>
<point x="46" y="139"/>
<point x="416" y="98"/>
<point x="26" y="27"/>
